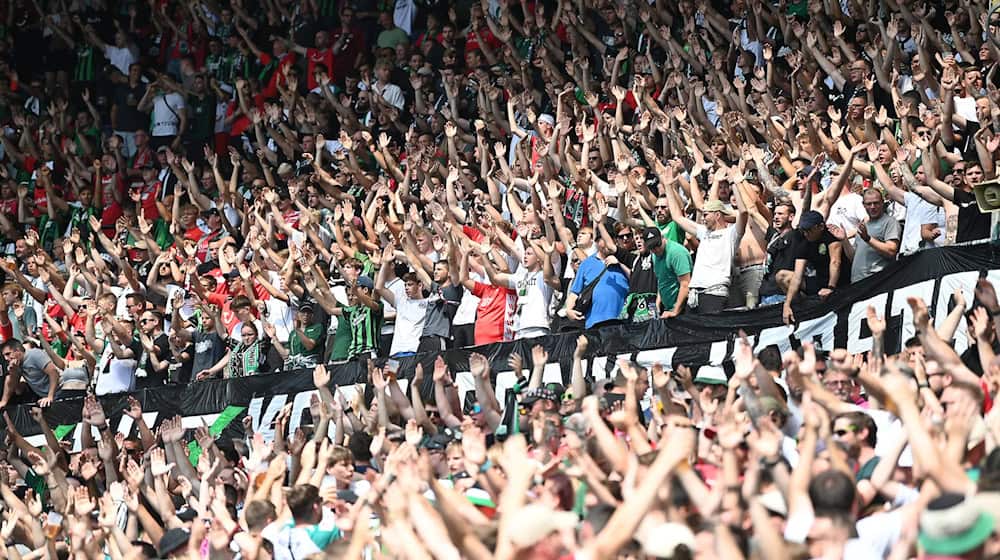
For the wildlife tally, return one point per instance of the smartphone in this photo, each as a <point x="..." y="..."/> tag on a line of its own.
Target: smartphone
<point x="391" y="368"/>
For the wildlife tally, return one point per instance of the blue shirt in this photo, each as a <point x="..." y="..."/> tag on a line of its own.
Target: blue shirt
<point x="609" y="294"/>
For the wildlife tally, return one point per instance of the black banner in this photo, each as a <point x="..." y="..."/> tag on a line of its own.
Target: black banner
<point x="838" y="322"/>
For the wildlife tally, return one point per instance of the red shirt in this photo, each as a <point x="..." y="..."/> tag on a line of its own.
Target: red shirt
<point x="112" y="210"/>
<point x="495" y="314"/>
<point x="316" y="56"/>
<point x="150" y="194"/>
<point x="471" y="43"/>
<point x="286" y="60"/>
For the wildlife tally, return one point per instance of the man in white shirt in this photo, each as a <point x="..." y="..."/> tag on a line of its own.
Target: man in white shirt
<point x="534" y="281"/>
<point x="169" y="114"/>
<point x="411" y="308"/>
<point x="718" y="240"/>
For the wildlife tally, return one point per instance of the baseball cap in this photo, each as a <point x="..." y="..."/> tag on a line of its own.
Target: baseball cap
<point x="716" y="206"/>
<point x="810" y="219"/>
<point x="652" y="237"/>
<point x="173" y="540"/>
<point x="306" y="306"/>
<point x="551" y="391"/>
<point x="366" y="282"/>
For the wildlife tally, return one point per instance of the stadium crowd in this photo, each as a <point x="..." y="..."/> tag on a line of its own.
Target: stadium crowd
<point x="199" y="189"/>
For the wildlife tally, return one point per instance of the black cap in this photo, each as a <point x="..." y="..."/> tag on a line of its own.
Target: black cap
<point x="173" y="540"/>
<point x="306" y="306"/>
<point x="810" y="220"/>
<point x="652" y="237"/>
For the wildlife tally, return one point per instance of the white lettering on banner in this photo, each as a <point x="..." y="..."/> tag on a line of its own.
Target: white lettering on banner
<point x="899" y="306"/>
<point x="775" y="335"/>
<point x="718" y="352"/>
<point x="818" y="330"/>
<point x="299" y="405"/>
<point x="264" y="423"/>
<point x="505" y="381"/>
<point x="664" y="356"/>
<point x="948" y="284"/>
<point x="857" y="316"/>
<point x="464" y="382"/>
<point x="600" y="368"/>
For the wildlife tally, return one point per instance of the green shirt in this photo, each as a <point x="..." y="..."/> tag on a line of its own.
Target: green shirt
<point x="672" y="231"/>
<point x="85" y="67"/>
<point x="341" y="340"/>
<point x="675" y="262"/>
<point x="295" y="346"/>
<point x="367" y="266"/>
<point x="365" y="324"/>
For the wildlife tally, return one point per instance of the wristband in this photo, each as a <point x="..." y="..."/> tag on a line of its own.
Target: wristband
<point x="923" y="385"/>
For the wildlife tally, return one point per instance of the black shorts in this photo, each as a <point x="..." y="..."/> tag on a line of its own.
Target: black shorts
<point x="464" y="335"/>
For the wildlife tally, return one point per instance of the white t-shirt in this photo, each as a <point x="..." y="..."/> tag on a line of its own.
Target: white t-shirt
<point x="847" y="212"/>
<point x="533" y="297"/>
<point x="392" y="94"/>
<point x="410" y="314"/>
<point x="966" y="107"/>
<point x="466" y="313"/>
<point x="167" y="111"/>
<point x="388" y="310"/>
<point x="403" y="15"/>
<point x="120" y="58"/>
<point x="713" y="265"/>
<point x="918" y="213"/>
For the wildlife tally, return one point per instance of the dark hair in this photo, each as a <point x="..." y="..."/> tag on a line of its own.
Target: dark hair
<point x="862" y="421"/>
<point x="563" y="488"/>
<point x="13" y="344"/>
<point x="148" y="550"/>
<point x="259" y="513"/>
<point x="770" y="358"/>
<point x="302" y="501"/>
<point x="241" y="301"/>
<point x="832" y="494"/>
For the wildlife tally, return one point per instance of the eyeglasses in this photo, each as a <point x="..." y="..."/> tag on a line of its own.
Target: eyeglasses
<point x="625" y="236"/>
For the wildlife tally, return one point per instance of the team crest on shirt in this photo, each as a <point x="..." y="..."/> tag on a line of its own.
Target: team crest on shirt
<point x="822" y="249"/>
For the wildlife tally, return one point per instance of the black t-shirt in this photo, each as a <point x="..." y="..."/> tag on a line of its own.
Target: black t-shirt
<point x="642" y="280"/>
<point x="129" y="118"/>
<point x="784" y="250"/>
<point x="972" y="223"/>
<point x="154" y="378"/>
<point x="201" y="111"/>
<point x="971" y="358"/>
